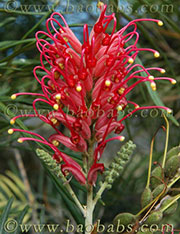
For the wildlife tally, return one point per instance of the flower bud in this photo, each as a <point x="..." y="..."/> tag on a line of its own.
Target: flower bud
<point x="114" y="165"/>
<point x="108" y="186"/>
<point x="117" y="160"/>
<point x="125" y="157"/>
<point x="122" y="162"/>
<point x="109" y="180"/>
<point x="115" y="173"/>
<point x="117" y="165"/>
<point x="120" y="169"/>
<point x="106" y="173"/>
<point x="122" y="151"/>
<point x="50" y="162"/>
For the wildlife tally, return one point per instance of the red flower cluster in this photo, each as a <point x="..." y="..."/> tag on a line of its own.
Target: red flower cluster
<point x="87" y="85"/>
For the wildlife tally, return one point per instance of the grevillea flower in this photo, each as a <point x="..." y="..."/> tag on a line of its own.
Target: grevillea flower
<point x="86" y="84"/>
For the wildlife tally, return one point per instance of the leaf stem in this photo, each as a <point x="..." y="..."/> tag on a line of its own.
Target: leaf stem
<point x="68" y="187"/>
<point x="99" y="193"/>
<point x="167" y="139"/>
<point x="150" y="163"/>
<point x="173" y="182"/>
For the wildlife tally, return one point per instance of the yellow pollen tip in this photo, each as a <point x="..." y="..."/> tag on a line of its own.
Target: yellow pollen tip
<point x="12" y="121"/>
<point x="160" y="23"/>
<point x="121" y="91"/>
<point x="56" y="75"/>
<point x="163" y="71"/>
<point x="55" y="143"/>
<point x="70" y="54"/>
<point x="56" y="107"/>
<point x="107" y="83"/>
<point x="100" y="4"/>
<point x="156" y="54"/>
<point x="169" y="111"/>
<point x="66" y="173"/>
<point x="52" y="86"/>
<point x="122" y="138"/>
<point x="10" y="131"/>
<point x="173" y="81"/>
<point x="54" y="121"/>
<point x="131" y="60"/>
<point x="61" y="65"/>
<point x="20" y="140"/>
<point x="119" y="108"/>
<point x="153" y="86"/>
<point x="65" y="38"/>
<point x="58" y="96"/>
<point x="151" y="77"/>
<point x="13" y="97"/>
<point x="79" y="88"/>
<point x="137" y="106"/>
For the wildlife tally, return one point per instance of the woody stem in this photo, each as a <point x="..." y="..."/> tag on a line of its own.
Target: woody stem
<point x="89" y="210"/>
<point x="89" y="203"/>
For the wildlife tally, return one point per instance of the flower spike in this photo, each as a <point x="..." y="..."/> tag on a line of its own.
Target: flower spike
<point x="86" y="86"/>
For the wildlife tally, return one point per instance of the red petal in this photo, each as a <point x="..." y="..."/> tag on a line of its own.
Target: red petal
<point x="75" y="172"/>
<point x="92" y="174"/>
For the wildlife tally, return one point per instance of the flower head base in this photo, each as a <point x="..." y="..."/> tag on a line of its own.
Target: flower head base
<point x="91" y="80"/>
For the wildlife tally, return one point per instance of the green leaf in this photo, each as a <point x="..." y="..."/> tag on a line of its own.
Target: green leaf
<point x="20" y="219"/>
<point x="8" y="44"/>
<point x="5" y="214"/>
<point x="173" y="24"/>
<point x="14" y="187"/>
<point x="22" y="50"/>
<point x="7" y="21"/>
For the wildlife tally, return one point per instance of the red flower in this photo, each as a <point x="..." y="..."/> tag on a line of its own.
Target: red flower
<point x="90" y="81"/>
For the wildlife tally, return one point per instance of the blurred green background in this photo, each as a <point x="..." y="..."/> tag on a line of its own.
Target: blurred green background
<point x="19" y="20"/>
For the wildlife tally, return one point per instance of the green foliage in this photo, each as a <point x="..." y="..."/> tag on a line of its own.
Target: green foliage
<point x="12" y="186"/>
<point x="6" y="214"/>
